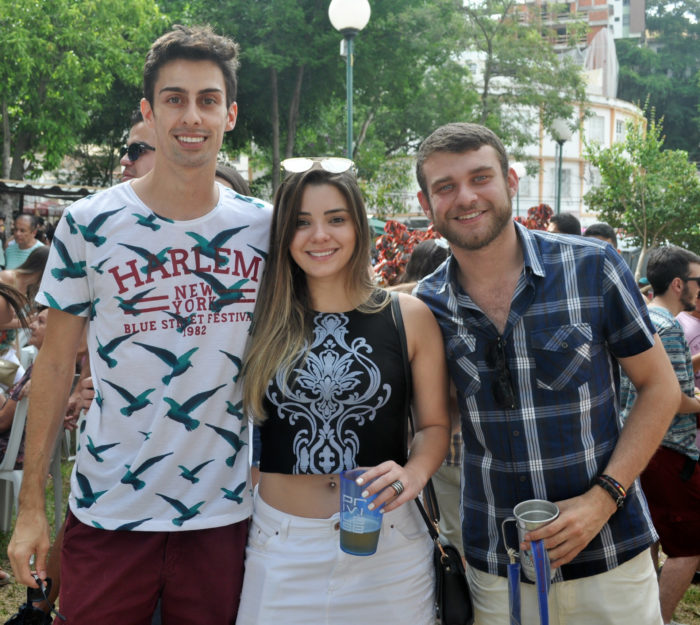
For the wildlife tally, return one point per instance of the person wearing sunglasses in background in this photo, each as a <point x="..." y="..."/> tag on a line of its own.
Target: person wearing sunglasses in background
<point x="138" y="156"/>
<point x="324" y="376"/>
<point x="164" y="271"/>
<point x="534" y="325"/>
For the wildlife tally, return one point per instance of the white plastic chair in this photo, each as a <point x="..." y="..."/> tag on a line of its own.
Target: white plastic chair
<point x="11" y="478"/>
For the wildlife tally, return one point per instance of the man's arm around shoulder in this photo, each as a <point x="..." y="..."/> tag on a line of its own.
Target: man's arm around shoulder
<point x="52" y="375"/>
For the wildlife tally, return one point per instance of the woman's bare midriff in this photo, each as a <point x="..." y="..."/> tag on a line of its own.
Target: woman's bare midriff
<point x="311" y="496"/>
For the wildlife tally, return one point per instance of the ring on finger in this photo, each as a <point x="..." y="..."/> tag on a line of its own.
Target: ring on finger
<point x="397" y="486"/>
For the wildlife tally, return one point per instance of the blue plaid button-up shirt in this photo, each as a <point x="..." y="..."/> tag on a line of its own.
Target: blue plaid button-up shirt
<point x="576" y="307"/>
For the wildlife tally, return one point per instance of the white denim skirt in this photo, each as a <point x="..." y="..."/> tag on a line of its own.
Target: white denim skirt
<point x="296" y="573"/>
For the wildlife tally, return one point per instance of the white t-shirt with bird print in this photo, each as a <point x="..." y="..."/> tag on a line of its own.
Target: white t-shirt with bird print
<point x="164" y="446"/>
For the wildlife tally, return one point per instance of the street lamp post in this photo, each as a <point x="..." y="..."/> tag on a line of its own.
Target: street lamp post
<point x="349" y="17"/>
<point x="561" y="133"/>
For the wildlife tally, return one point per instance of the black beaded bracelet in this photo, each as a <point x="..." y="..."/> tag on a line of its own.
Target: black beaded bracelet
<point x="613" y="488"/>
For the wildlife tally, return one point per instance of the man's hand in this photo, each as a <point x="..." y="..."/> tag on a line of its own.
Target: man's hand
<point x="30" y="538"/>
<point x="580" y="520"/>
<point x="86" y="392"/>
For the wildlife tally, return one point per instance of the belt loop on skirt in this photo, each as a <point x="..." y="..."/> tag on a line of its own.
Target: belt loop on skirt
<point x="284" y="528"/>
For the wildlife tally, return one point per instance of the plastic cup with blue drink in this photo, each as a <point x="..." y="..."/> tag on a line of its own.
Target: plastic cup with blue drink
<point x="359" y="526"/>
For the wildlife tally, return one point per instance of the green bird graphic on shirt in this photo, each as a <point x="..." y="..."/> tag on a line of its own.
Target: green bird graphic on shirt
<point x="147" y="222"/>
<point x="210" y="249"/>
<point x="185" y="513"/>
<point x="234" y="495"/>
<point x="231" y="438"/>
<point x="191" y="474"/>
<point x="88" y="496"/>
<point x="226" y="295"/>
<point x="135" y="402"/>
<point x="235" y="410"/>
<point x="104" y="351"/>
<point x="71" y="269"/>
<point x="153" y="261"/>
<point x="129" y="305"/>
<point x="177" y="364"/>
<point x="132" y="477"/>
<point x="238" y="363"/>
<point x="98" y="267"/>
<point x="96" y="450"/>
<point x="181" y="412"/>
<point x="72" y="226"/>
<point x="89" y="232"/>
<point x="182" y="322"/>
<point x="71" y="309"/>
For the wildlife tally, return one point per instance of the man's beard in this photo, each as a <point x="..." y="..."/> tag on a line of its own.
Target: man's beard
<point x="502" y="216"/>
<point x="688" y="303"/>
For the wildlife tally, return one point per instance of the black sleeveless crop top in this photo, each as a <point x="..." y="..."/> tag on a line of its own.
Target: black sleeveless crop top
<point x="344" y="407"/>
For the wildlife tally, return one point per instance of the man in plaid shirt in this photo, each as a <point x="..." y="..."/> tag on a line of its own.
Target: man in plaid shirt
<point x="534" y="326"/>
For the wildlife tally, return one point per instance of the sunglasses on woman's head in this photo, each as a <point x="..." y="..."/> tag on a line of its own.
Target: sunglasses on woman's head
<point x="135" y="150"/>
<point x="331" y="164"/>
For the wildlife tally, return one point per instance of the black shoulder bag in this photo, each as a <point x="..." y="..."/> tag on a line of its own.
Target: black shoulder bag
<point x="452" y="598"/>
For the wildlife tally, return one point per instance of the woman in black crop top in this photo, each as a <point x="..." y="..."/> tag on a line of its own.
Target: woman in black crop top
<point x="323" y="376"/>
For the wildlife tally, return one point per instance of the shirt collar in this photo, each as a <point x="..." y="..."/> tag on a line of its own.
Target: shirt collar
<point x="532" y="261"/>
<point x="532" y="256"/>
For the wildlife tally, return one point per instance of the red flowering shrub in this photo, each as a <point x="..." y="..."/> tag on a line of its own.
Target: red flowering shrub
<point x="537" y="217"/>
<point x="394" y="249"/>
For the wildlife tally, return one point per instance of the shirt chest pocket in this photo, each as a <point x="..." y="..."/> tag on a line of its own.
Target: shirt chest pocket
<point x="562" y="356"/>
<point x="462" y="364"/>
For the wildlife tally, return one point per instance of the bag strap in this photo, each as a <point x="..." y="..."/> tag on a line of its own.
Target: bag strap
<point x="431" y="512"/>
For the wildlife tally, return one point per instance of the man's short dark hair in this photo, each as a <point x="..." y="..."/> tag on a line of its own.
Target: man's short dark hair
<point x="195" y="43"/>
<point x="457" y="138"/>
<point x="601" y="229"/>
<point x="566" y="223"/>
<point x="664" y="264"/>
<point x="136" y="117"/>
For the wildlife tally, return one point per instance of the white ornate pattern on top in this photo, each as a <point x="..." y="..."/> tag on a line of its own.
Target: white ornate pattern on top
<point x="333" y="392"/>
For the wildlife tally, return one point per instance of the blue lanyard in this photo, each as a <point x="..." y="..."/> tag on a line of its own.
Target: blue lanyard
<point x="542" y="573"/>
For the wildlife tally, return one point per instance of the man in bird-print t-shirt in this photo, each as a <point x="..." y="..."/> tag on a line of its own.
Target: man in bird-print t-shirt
<point x="164" y="270"/>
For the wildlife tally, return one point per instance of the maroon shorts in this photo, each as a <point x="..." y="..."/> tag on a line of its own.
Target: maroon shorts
<point x="116" y="577"/>
<point x="674" y="502"/>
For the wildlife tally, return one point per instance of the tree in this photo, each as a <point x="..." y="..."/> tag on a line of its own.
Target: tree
<point x="58" y="61"/>
<point x="523" y="77"/>
<point x="664" y="69"/>
<point x="651" y="193"/>
<point x="287" y="51"/>
<point x="292" y="96"/>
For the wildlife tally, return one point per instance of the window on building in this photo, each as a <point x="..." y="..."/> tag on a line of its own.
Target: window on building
<point x="565" y="182"/>
<point x="596" y="129"/>
<point x="619" y="130"/>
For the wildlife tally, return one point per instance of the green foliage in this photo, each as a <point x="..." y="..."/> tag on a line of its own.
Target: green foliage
<point x="665" y="70"/>
<point x="386" y="193"/>
<point x="58" y="61"/>
<point x="524" y="79"/>
<point x="292" y="96"/>
<point x="651" y="193"/>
